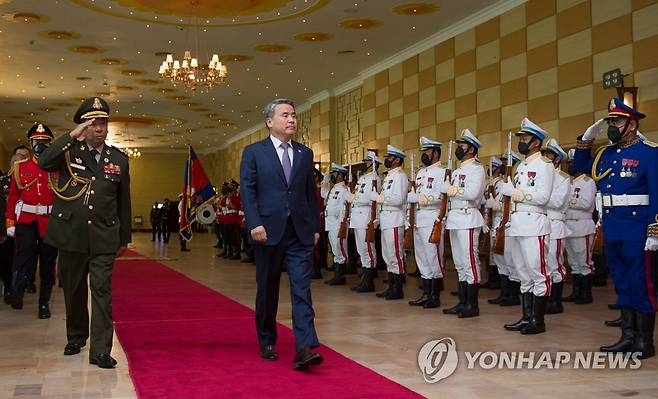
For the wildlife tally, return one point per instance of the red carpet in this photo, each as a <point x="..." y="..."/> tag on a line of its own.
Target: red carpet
<point x="184" y="340"/>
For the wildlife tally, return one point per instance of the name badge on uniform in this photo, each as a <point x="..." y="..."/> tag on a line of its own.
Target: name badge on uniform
<point x="81" y="167"/>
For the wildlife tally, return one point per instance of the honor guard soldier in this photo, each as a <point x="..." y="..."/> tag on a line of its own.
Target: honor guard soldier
<point x="360" y="217"/>
<point x="334" y="198"/>
<point x="90" y="225"/>
<point x="626" y="172"/>
<point x="465" y="222"/>
<point x="530" y="227"/>
<point x="510" y="282"/>
<point x="493" y="278"/>
<point x="235" y="216"/>
<point x="429" y="256"/>
<point x="557" y="212"/>
<point x="392" y="202"/>
<point x="29" y="205"/>
<point x="579" y="243"/>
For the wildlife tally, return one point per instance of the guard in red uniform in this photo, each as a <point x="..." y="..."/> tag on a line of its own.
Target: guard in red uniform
<point x="28" y="208"/>
<point x="234" y="218"/>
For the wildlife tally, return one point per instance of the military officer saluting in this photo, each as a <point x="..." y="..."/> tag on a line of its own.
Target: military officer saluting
<point x="465" y="222"/>
<point x="392" y="201"/>
<point x="557" y="212"/>
<point x="90" y="225"/>
<point x="29" y="205"/>
<point x="626" y="172"/>
<point x="360" y="217"/>
<point x="530" y="227"/>
<point x="429" y="256"/>
<point x="334" y="213"/>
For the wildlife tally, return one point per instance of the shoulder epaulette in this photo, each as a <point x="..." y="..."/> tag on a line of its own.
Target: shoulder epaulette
<point x="650" y="143"/>
<point x="564" y="174"/>
<point x="119" y="150"/>
<point x="543" y="158"/>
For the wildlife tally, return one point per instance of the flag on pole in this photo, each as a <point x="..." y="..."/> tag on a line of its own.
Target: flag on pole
<point x="197" y="191"/>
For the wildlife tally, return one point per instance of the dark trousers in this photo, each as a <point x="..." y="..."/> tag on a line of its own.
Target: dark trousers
<point x="156" y="230"/>
<point x="298" y="259"/>
<point x="6" y="262"/>
<point x="30" y="248"/>
<point x="75" y="267"/>
<point x="630" y="267"/>
<point x="164" y="227"/>
<point x="248" y="248"/>
<point x="218" y="232"/>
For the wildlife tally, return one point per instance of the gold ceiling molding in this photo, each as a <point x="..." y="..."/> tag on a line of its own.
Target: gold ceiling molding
<point x="132" y="72"/>
<point x="313" y="36"/>
<point x="177" y="98"/>
<point x="25" y="18"/>
<point x="415" y="8"/>
<point x="59" y="35"/>
<point x="163" y="90"/>
<point x="304" y="8"/>
<point x="110" y="61"/>
<point x="272" y="48"/>
<point x="360" y="23"/>
<point x="147" y="82"/>
<point x="234" y="58"/>
<point x="208" y="9"/>
<point x="87" y="49"/>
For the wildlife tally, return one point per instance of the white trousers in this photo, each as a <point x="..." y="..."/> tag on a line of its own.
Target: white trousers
<point x="529" y="262"/>
<point x="579" y="251"/>
<point x="429" y="257"/>
<point x="393" y="249"/>
<point x="499" y="260"/>
<point x="464" y="245"/>
<point x="338" y="247"/>
<point x="556" y="260"/>
<point x="367" y="251"/>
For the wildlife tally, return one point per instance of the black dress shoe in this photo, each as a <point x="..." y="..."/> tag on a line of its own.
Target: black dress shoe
<point x="305" y="358"/>
<point x="44" y="311"/>
<point x="73" y="348"/>
<point x="31" y="288"/>
<point x="103" y="361"/>
<point x="268" y="352"/>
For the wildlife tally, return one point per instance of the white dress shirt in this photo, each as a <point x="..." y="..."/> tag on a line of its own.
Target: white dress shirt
<point x="279" y="150"/>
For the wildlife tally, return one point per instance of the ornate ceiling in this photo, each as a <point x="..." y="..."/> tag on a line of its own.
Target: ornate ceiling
<point x="56" y="52"/>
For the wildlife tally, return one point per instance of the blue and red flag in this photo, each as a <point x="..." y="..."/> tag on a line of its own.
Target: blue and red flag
<point x="197" y="191"/>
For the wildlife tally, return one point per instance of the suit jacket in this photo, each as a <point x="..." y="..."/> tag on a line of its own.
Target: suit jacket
<point x="266" y="197"/>
<point x="98" y="221"/>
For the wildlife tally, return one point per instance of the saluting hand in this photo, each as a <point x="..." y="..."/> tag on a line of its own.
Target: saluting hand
<point x="80" y="129"/>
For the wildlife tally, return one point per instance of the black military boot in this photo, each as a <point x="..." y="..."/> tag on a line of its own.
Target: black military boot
<point x="614" y="323"/>
<point x="585" y="290"/>
<point x="644" y="326"/>
<point x="536" y="325"/>
<point x="434" y="300"/>
<point x="504" y="288"/>
<point x="385" y="293"/>
<point x="396" y="289"/>
<point x="526" y="307"/>
<point x="513" y="292"/>
<point x="367" y="280"/>
<point x="461" y="294"/>
<point x="625" y="343"/>
<point x="576" y="291"/>
<point x="493" y="279"/>
<point x="427" y="289"/>
<point x="339" y="275"/>
<point x="44" y="311"/>
<point x="471" y="309"/>
<point x="555" y="303"/>
<point x="19" y="283"/>
<point x="236" y="253"/>
<point x="356" y="287"/>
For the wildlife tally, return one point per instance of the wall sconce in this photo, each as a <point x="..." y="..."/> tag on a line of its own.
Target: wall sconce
<point x="615" y="78"/>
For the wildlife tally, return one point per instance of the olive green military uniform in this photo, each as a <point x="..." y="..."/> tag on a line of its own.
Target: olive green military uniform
<point x="90" y="221"/>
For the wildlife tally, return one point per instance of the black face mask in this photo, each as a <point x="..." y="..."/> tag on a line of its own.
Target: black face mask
<point x="364" y="168"/>
<point x="524" y="148"/>
<point x="388" y="162"/>
<point x="614" y="134"/>
<point x="460" y="153"/>
<point x="425" y="159"/>
<point x="333" y="179"/>
<point x="38" y="148"/>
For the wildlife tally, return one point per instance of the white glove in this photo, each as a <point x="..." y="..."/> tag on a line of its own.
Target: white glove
<point x="485" y="229"/>
<point x="423" y="200"/>
<point x="11" y="231"/>
<point x="326" y="178"/>
<point x="373" y="195"/>
<point x="350" y="197"/>
<point x="594" y="131"/>
<point x="651" y="244"/>
<point x="412" y="197"/>
<point x="507" y="188"/>
<point x="489" y="203"/>
<point x="443" y="188"/>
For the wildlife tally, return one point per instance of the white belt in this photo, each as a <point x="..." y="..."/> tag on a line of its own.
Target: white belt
<point x="554" y="215"/>
<point x="37" y="209"/>
<point x="574" y="214"/>
<point x="611" y="200"/>
<point x="516" y="207"/>
<point x="461" y="208"/>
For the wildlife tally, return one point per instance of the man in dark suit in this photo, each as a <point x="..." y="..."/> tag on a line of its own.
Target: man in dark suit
<point x="90" y="225"/>
<point x="281" y="211"/>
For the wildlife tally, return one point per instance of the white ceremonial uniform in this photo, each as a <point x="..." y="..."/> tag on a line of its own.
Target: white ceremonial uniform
<point x="392" y="218"/>
<point x="360" y="217"/>
<point x="581" y="225"/>
<point x="334" y="214"/>
<point x="465" y="220"/>
<point x="530" y="226"/>
<point x="429" y="257"/>
<point x="557" y="212"/>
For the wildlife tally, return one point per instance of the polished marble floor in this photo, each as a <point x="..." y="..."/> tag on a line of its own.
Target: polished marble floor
<point x="383" y="335"/>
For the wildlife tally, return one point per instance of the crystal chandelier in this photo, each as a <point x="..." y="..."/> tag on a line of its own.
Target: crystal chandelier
<point x="188" y="71"/>
<point x="132" y="152"/>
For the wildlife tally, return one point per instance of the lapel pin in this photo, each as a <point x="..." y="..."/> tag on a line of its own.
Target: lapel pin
<point x="107" y="152"/>
<point x="78" y="160"/>
<point x="106" y="160"/>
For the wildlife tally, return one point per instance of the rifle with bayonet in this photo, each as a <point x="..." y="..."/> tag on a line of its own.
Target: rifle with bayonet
<point x="345" y="223"/>
<point x="437" y="229"/>
<point x="499" y="244"/>
<point x="370" y="230"/>
<point x="409" y="233"/>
